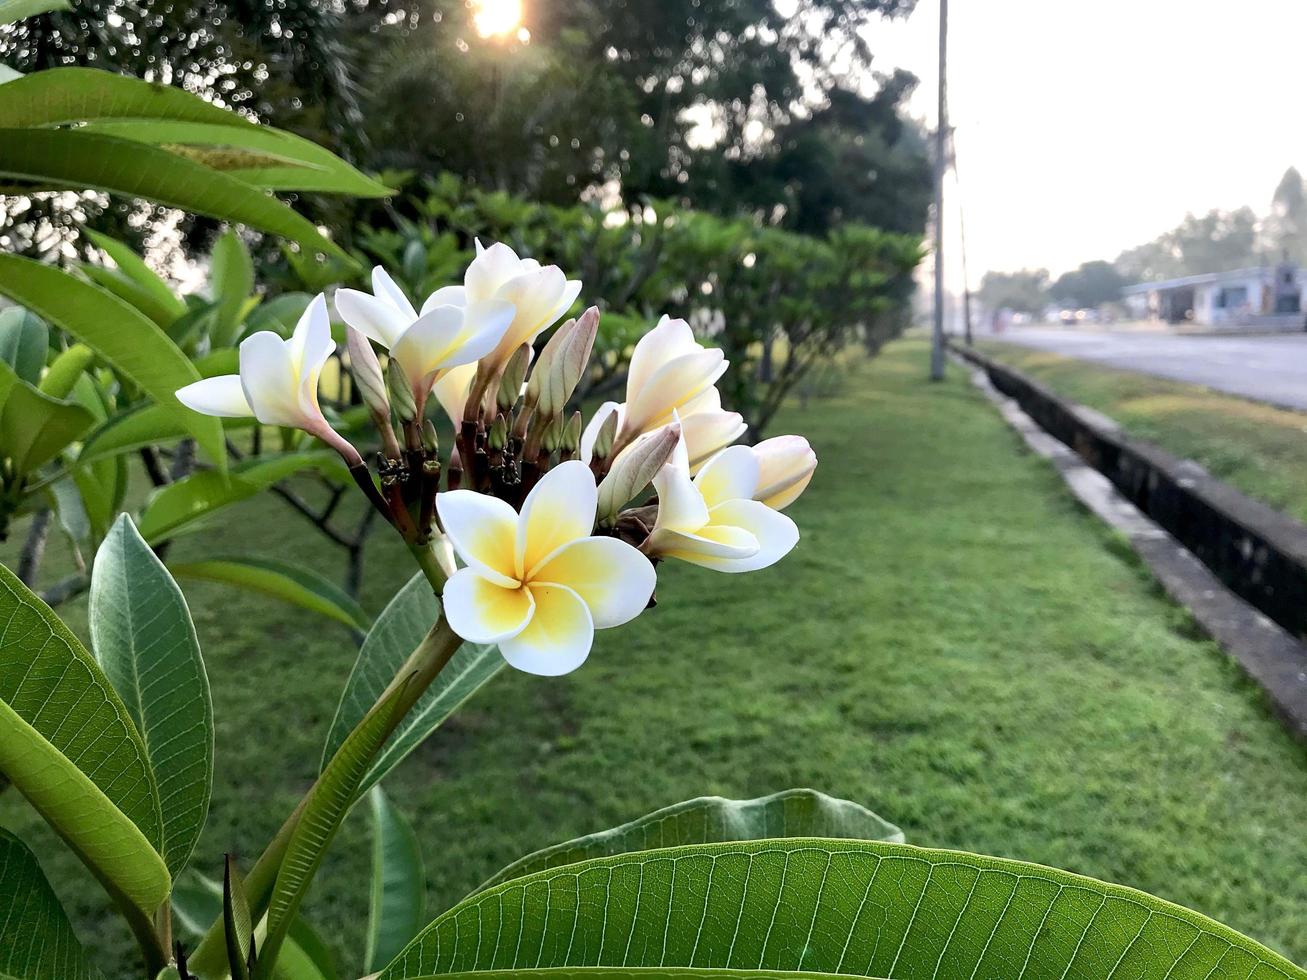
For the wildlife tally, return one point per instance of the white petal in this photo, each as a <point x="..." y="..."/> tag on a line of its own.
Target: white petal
<point x="451" y="390"/>
<point x="375" y="318"/>
<point x="786" y="465"/>
<point x="710" y="546"/>
<point x="557" y="639"/>
<point x="667" y="341"/>
<point x="730" y="475"/>
<point x="270" y="380"/>
<point x="679" y="381"/>
<point x="492" y="267"/>
<point x="483" y="531"/>
<point x="571" y="290"/>
<point x="484" y="327"/>
<point x="559" y="509"/>
<point x="592" y="428"/>
<point x="222" y="396"/>
<point x="424" y="346"/>
<point x="445" y="296"/>
<point x="777" y="534"/>
<point x="480" y="611"/>
<point x="535" y="296"/>
<point x="706" y="433"/>
<point x="610" y="576"/>
<point x="312" y="347"/>
<point x="383" y="287"/>
<point x="680" y="505"/>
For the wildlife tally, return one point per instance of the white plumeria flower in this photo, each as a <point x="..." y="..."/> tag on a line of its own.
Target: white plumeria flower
<point x="705" y="428"/>
<point x="670" y="371"/>
<point x="712" y="520"/>
<point x="785" y="468"/>
<point x="452" y="389"/>
<point x="443" y="336"/>
<point x="540" y="294"/>
<point x="537" y="583"/>
<point x="278" y="379"/>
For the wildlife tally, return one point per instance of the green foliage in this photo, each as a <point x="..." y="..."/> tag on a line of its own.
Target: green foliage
<point x="397" y="631"/>
<point x="232" y="273"/>
<point x="238" y="925"/>
<point x="36" y="941"/>
<point x="870" y="909"/>
<point x="24" y="343"/>
<point x="34" y="428"/>
<point x="285" y="580"/>
<point x="711" y="819"/>
<point x="398" y="895"/>
<point x="68" y="744"/>
<point x="143" y="638"/>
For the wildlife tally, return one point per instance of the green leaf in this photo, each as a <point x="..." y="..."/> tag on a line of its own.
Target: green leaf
<point x="285" y="580"/>
<point x="396" y="633"/>
<point x="629" y="973"/>
<point x="201" y="494"/>
<point x="711" y="820"/>
<point x="308" y="166"/>
<point x="279" y="314"/>
<point x="16" y="10"/>
<point x="128" y="291"/>
<point x="237" y="923"/>
<point x="857" y="908"/>
<point x="231" y="281"/>
<point x="133" y="267"/>
<point x="123" y="336"/>
<point x="36" y="941"/>
<point x="65" y="369"/>
<point x="24" y="342"/>
<point x="71" y="508"/>
<point x="35" y="428"/>
<point x="398" y="896"/>
<point x="143" y="638"/>
<point x="75" y="159"/>
<point x="70" y="95"/>
<point x="68" y="744"/>
<point x="324" y="810"/>
<point x="145" y="425"/>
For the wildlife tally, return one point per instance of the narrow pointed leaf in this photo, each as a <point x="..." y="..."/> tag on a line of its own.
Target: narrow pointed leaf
<point x="856" y="908"/>
<point x="332" y="796"/>
<point x="36" y="940"/>
<point x="397" y="631"/>
<point x="712" y="819"/>
<point x="127" y="339"/>
<point x="398" y="895"/>
<point x="72" y="158"/>
<point x="133" y="267"/>
<point x="68" y="744"/>
<point x="24" y="342"/>
<point x="143" y="638"/>
<point x="129" y="292"/>
<point x="231" y="282"/>
<point x="69" y="95"/>
<point x="238" y="926"/>
<point x="284" y="580"/>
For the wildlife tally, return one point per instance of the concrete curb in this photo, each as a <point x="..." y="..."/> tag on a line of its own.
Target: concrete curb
<point x="1267" y="653"/>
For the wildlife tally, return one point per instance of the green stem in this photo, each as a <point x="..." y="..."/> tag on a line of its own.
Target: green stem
<point x="420" y="669"/>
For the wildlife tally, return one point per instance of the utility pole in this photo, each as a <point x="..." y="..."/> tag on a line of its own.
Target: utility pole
<point x="941" y="164"/>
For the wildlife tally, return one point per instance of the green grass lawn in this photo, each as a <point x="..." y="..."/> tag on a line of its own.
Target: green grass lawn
<point x="954" y="644"/>
<point x="1258" y="448"/>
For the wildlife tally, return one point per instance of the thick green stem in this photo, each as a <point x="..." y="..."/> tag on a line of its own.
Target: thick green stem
<point x="420" y="669"/>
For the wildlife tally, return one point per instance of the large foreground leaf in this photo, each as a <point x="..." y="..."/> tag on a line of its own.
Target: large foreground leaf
<point x="824" y="906"/>
<point x="396" y="633"/>
<point x="712" y="819"/>
<point x="68" y="744"/>
<point x="398" y="895"/>
<point x="118" y="332"/>
<point x="36" y="941"/>
<point x="284" y="580"/>
<point x="144" y="639"/>
<point x="72" y="158"/>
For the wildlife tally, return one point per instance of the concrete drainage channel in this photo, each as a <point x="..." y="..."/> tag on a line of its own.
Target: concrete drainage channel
<point x="1237" y="565"/>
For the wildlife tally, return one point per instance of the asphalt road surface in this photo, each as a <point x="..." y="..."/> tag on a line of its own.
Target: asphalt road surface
<point x="1267" y="368"/>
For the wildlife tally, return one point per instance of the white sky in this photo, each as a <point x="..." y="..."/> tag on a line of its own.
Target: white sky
<point x="1084" y="127"/>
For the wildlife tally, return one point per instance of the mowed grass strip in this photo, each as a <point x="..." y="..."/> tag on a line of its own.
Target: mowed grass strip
<point x="1258" y="448"/>
<point x="954" y="644"/>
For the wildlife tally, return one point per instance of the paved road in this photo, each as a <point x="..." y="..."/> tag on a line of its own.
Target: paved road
<point x="1269" y="368"/>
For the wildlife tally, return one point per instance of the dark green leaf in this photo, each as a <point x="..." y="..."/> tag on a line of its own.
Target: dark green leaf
<point x="398" y="896"/>
<point x="285" y="580"/>
<point x="711" y="820"/>
<point x="36" y="941"/>
<point x="15" y="10"/>
<point x="231" y="281"/>
<point x="24" y="341"/>
<point x="396" y="633"/>
<point x="823" y="906"/>
<point x="123" y="336"/>
<point x="237" y="922"/>
<point x="35" y="428"/>
<point x="143" y="638"/>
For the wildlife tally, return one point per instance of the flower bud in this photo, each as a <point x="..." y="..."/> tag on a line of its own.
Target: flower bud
<point x="572" y="434"/>
<point x="635" y="468"/>
<point x="366" y="370"/>
<point x="510" y="383"/>
<point x="401" y="391"/>
<point x="603" y="444"/>
<point x="785" y="468"/>
<point x="497" y="438"/>
<point x="552" y="436"/>
<point x="562" y="363"/>
<point x="430" y="441"/>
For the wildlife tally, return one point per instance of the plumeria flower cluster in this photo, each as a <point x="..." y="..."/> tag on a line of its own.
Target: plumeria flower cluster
<point x="536" y="529"/>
